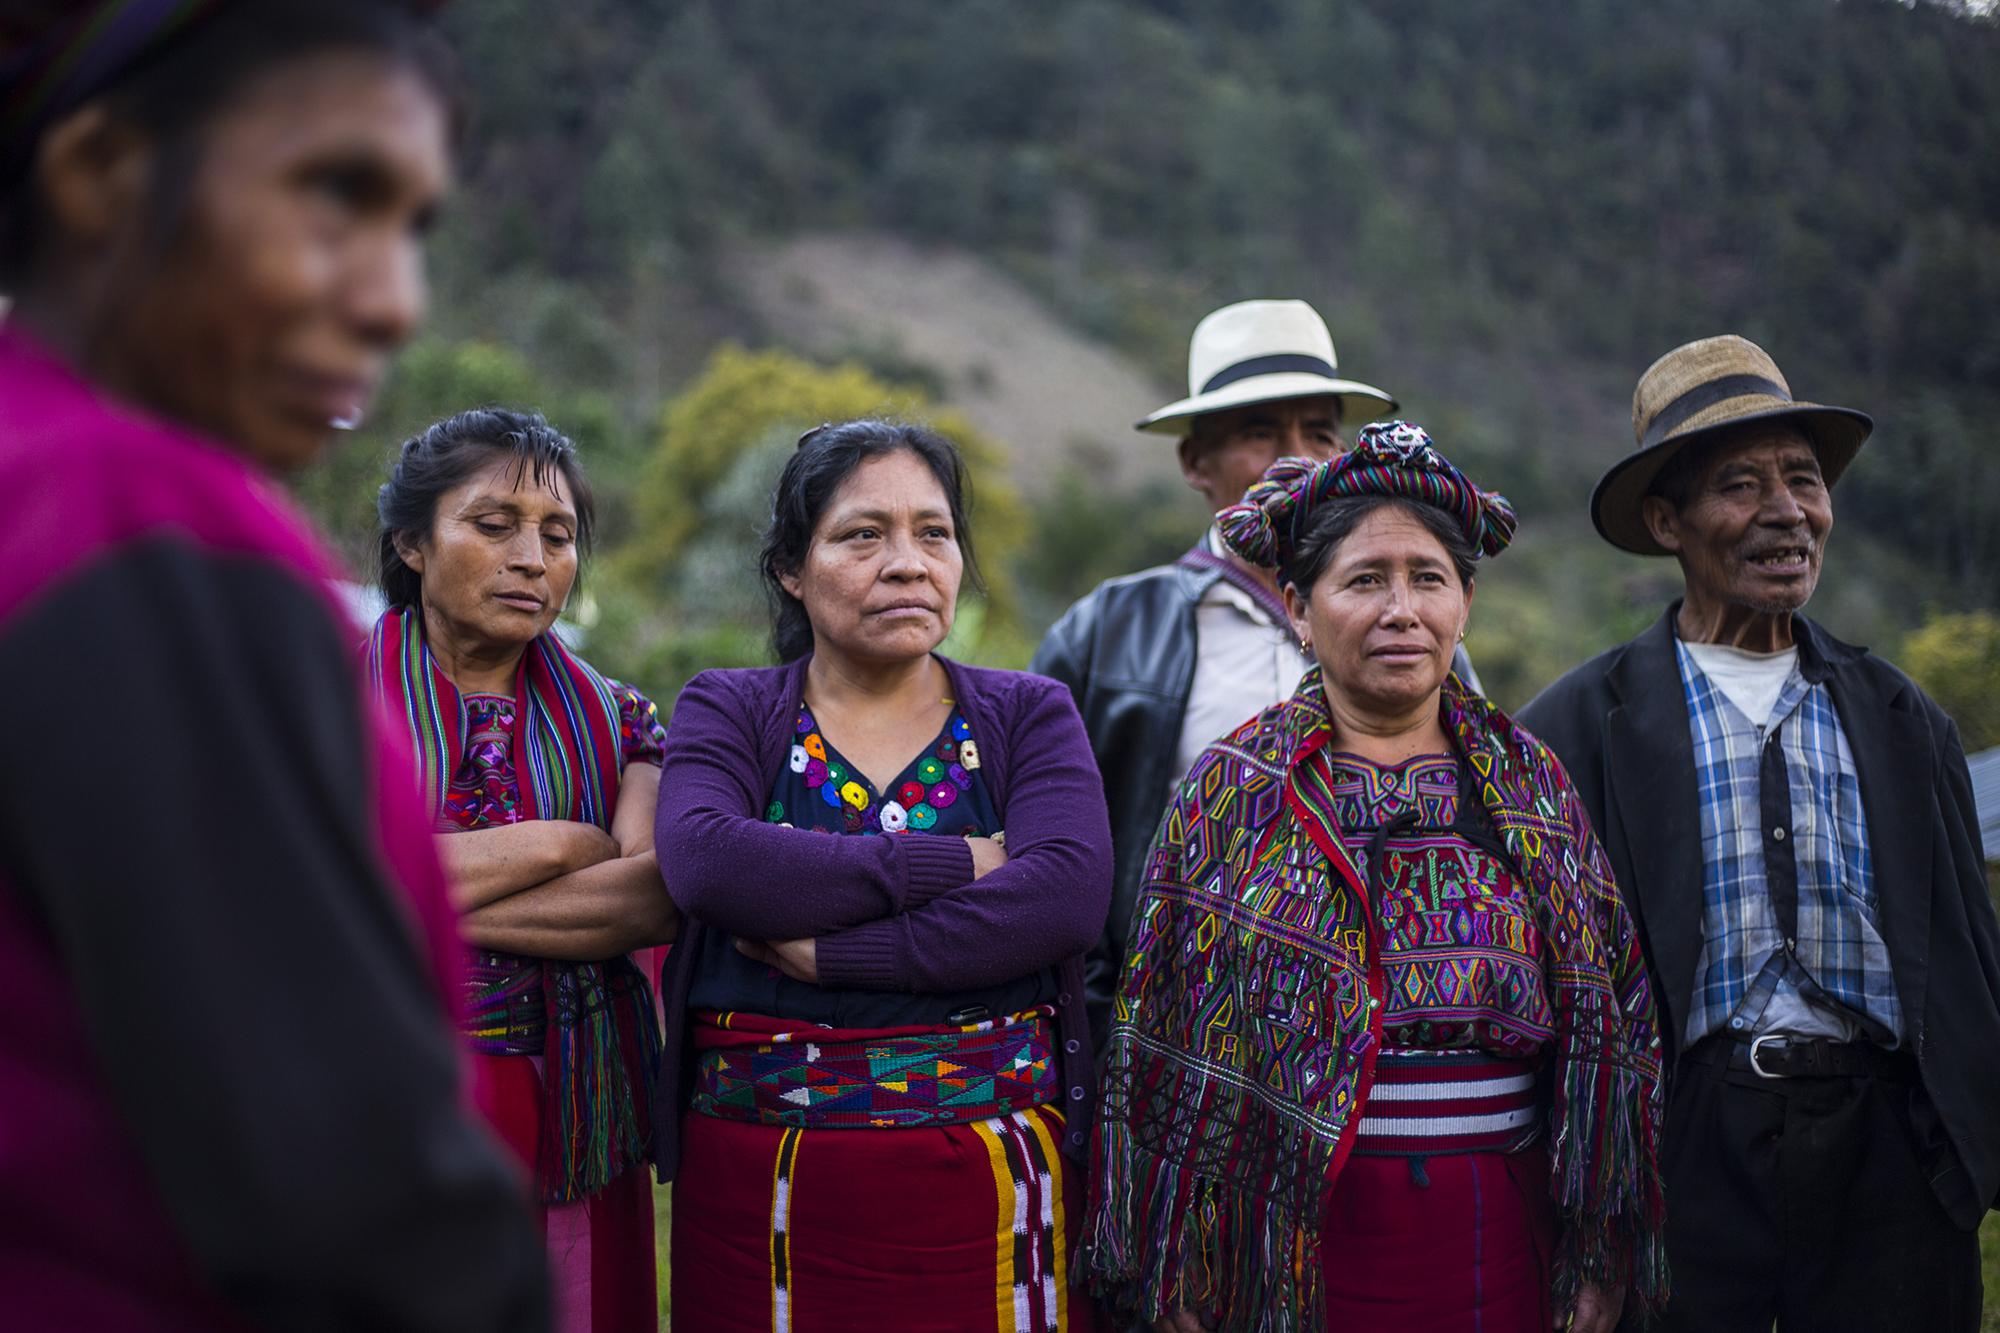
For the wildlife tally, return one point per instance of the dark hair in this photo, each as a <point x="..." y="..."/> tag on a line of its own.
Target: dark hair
<point x="175" y="90"/>
<point x="1334" y="521"/>
<point x="824" y="459"/>
<point x="448" y="453"/>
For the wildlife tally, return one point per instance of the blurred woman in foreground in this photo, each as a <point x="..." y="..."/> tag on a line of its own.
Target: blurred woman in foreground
<point x="890" y="864"/>
<point x="231" y="1093"/>
<point x="541" y="776"/>
<point x="1384" y="1052"/>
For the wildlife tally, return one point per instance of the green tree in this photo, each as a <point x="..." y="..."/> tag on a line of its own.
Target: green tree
<point x="1956" y="658"/>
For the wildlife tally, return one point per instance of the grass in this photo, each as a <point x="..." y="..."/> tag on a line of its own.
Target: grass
<point x="1989" y="1268"/>
<point x="663" y="1229"/>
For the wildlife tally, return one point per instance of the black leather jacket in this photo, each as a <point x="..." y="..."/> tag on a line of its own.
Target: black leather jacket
<point x="1127" y="652"/>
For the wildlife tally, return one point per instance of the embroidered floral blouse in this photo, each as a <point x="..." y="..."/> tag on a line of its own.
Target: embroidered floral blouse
<point x="486" y="791"/>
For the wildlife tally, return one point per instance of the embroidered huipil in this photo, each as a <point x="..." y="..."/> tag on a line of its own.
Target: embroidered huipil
<point x="1832" y="978"/>
<point x="485" y="790"/>
<point x="1461" y="951"/>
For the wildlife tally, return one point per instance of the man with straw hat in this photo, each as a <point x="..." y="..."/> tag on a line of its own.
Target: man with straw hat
<point x="1791" y="820"/>
<point x="1164" y="661"/>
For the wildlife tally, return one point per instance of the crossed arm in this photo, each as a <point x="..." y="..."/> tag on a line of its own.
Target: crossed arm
<point x="921" y="914"/>
<point x="557" y="888"/>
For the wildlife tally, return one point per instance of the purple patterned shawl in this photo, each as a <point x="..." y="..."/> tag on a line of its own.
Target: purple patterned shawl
<point x="1248" y="1017"/>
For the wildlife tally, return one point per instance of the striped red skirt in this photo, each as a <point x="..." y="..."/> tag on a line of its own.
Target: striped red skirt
<point x="1441" y="1221"/>
<point x="782" y="1228"/>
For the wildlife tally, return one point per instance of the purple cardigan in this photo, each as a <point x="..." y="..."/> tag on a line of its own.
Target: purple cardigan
<point x="890" y="913"/>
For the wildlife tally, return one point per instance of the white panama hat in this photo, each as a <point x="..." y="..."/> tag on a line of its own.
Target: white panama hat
<point x="1259" y="352"/>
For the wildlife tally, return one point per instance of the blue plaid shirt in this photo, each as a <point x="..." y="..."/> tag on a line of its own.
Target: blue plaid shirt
<point x="1835" y="980"/>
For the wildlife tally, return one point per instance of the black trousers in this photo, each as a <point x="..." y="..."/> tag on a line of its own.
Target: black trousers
<point x="1804" y="1202"/>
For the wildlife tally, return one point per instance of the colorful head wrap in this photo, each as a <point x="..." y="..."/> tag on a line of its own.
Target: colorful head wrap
<point x="82" y="53"/>
<point x="1388" y="458"/>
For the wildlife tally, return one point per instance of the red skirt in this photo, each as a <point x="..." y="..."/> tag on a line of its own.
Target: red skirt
<point x="1466" y="1252"/>
<point x="952" y="1228"/>
<point x="600" y="1249"/>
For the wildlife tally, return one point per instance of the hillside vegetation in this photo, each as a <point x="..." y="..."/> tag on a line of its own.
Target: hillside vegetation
<point x="1505" y="211"/>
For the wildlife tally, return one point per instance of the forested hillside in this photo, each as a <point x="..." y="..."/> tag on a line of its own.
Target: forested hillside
<point x="1506" y="211"/>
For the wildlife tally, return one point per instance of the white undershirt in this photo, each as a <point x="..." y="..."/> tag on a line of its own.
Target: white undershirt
<point x="1751" y="681"/>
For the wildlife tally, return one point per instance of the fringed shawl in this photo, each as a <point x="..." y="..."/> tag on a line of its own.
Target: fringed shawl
<point x="1249" y="1014"/>
<point x="603" y="1039"/>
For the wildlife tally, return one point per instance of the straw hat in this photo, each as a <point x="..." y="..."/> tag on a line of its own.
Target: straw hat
<point x="1693" y="393"/>
<point x="1260" y="352"/>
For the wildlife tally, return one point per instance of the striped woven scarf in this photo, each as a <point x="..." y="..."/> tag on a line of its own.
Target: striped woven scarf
<point x="1248" y="1018"/>
<point x="603" y="1039"/>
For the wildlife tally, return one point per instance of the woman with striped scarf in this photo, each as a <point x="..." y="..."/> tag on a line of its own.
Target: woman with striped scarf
<point x="540" y="775"/>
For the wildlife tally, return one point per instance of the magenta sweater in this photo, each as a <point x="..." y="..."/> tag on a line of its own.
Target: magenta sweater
<point x="890" y="912"/>
<point x="229" y="1090"/>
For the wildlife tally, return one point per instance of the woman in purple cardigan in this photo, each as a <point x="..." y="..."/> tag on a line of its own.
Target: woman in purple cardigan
<point x="889" y="867"/>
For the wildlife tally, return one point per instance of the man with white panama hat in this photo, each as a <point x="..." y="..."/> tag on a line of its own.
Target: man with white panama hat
<point x="1791" y="821"/>
<point x="1163" y="661"/>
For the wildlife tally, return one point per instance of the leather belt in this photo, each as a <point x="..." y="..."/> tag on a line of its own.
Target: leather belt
<point x="1777" y="1056"/>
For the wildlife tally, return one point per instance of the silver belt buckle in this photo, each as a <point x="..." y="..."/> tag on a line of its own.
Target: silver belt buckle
<point x="1756" y="1045"/>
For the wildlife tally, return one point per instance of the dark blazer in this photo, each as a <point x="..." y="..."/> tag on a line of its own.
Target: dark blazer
<point x="1620" y="724"/>
<point x="1127" y="651"/>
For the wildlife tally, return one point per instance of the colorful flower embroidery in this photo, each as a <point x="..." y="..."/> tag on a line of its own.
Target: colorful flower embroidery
<point x="936" y="781"/>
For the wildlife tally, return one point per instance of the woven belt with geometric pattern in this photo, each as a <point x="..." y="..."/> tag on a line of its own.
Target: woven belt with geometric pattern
<point x="823" y="1078"/>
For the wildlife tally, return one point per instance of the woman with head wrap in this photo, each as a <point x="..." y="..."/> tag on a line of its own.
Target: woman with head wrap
<point x="541" y="775"/>
<point x="1383" y="1053"/>
<point x="890" y="865"/>
<point x="231" y="1093"/>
